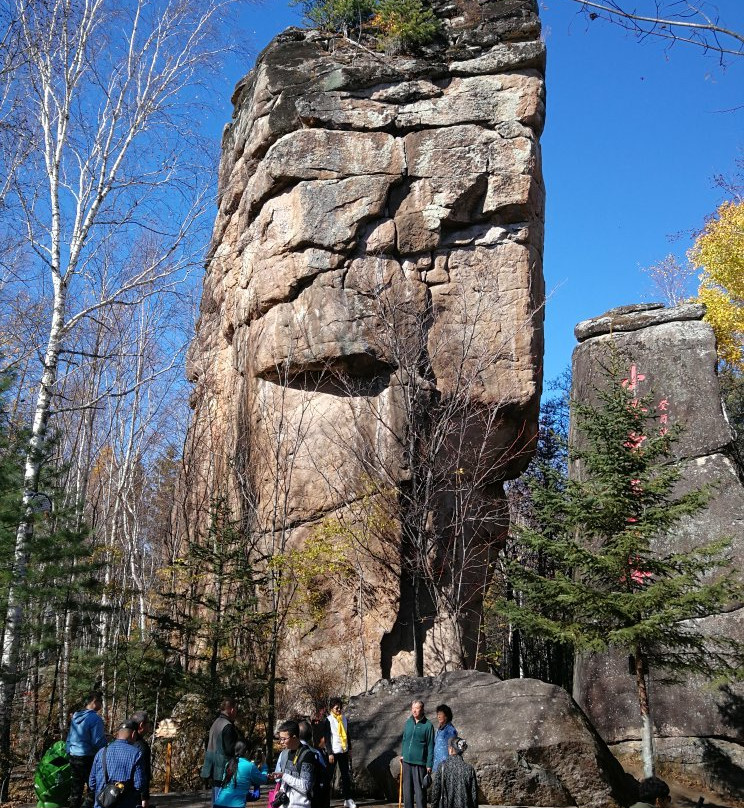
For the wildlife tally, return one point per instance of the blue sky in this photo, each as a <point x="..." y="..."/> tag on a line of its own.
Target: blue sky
<point x="635" y="135"/>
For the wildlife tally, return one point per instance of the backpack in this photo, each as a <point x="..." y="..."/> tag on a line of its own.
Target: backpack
<point x="321" y="793"/>
<point x="53" y="777"/>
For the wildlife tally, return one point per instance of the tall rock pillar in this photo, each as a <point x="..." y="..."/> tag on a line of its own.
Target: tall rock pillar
<point x="672" y="353"/>
<point x="367" y="364"/>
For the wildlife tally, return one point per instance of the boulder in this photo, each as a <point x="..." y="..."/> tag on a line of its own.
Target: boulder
<point x="710" y="764"/>
<point x="676" y="357"/>
<point x="529" y="741"/>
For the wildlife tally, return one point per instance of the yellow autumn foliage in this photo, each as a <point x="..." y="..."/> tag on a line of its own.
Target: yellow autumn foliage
<point x="719" y="252"/>
<point x="323" y="557"/>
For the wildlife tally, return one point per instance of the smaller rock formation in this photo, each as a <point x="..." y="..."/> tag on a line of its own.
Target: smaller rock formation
<point x="672" y="353"/>
<point x="193" y="718"/>
<point x="529" y="742"/>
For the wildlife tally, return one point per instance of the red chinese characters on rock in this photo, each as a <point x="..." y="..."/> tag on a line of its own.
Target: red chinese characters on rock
<point x="631" y="384"/>
<point x="664" y="417"/>
<point x="634" y="442"/>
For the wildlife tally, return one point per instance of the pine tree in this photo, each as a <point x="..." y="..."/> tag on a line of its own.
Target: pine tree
<point x="406" y="24"/>
<point x="517" y="655"/>
<point x="210" y="614"/>
<point x="609" y="589"/>
<point x="403" y="25"/>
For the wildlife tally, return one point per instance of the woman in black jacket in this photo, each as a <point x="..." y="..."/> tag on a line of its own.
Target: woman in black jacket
<point x="454" y="784"/>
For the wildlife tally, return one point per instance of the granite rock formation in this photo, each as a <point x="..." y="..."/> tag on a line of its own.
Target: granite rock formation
<point x="367" y="365"/>
<point x="529" y="742"/>
<point x="672" y="354"/>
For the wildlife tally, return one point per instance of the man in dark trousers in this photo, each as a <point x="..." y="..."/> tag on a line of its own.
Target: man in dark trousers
<point x="417" y="756"/>
<point x="223" y="736"/>
<point x="85" y="737"/>
<point x="123" y="763"/>
<point x="144" y="728"/>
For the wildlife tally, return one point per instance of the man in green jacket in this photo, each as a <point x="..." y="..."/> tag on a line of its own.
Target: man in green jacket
<point x="417" y="756"/>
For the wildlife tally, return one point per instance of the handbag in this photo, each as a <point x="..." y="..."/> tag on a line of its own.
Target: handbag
<point x="272" y="795"/>
<point x="112" y="792"/>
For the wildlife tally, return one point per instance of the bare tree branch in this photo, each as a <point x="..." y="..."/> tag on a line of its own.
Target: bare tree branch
<point x="684" y="21"/>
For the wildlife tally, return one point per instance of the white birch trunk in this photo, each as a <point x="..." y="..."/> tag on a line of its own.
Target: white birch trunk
<point x="24" y="534"/>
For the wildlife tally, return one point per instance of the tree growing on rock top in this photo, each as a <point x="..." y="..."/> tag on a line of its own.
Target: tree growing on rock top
<point x="405" y="24"/>
<point x="609" y="588"/>
<point x="343" y="16"/>
<point x="400" y="25"/>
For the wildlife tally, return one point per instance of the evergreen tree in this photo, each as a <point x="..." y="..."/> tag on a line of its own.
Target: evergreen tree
<point x="513" y="653"/>
<point x="210" y="614"/>
<point x="406" y="24"/>
<point x="403" y="25"/>
<point x="59" y="591"/>
<point x="11" y="481"/>
<point x="608" y="588"/>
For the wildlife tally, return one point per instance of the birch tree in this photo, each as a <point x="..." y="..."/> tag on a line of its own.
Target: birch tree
<point x="104" y="90"/>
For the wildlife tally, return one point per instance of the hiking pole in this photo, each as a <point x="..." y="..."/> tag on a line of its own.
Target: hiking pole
<point x="400" y="785"/>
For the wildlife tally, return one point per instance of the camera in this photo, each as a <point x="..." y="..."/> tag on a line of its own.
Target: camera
<point x="280" y="800"/>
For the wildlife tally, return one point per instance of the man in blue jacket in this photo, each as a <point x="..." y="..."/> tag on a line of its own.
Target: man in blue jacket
<point x="85" y="737"/>
<point x="418" y="756"/>
<point x="123" y="765"/>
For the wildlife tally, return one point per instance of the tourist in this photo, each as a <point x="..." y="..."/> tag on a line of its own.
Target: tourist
<point x="241" y="780"/>
<point x="442" y="736"/>
<point x="298" y="770"/>
<point x="223" y="736"/>
<point x="653" y="792"/>
<point x="455" y="785"/>
<point x="338" y="748"/>
<point x="417" y="756"/>
<point x="321" y="797"/>
<point x="120" y="761"/>
<point x="144" y="728"/>
<point x="85" y="737"/>
<point x="318" y="724"/>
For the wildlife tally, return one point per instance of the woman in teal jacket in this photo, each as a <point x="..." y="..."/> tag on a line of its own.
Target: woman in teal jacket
<point x="241" y="780"/>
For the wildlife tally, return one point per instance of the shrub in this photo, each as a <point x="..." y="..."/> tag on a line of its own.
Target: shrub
<point x="344" y="16"/>
<point x="405" y="24"/>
